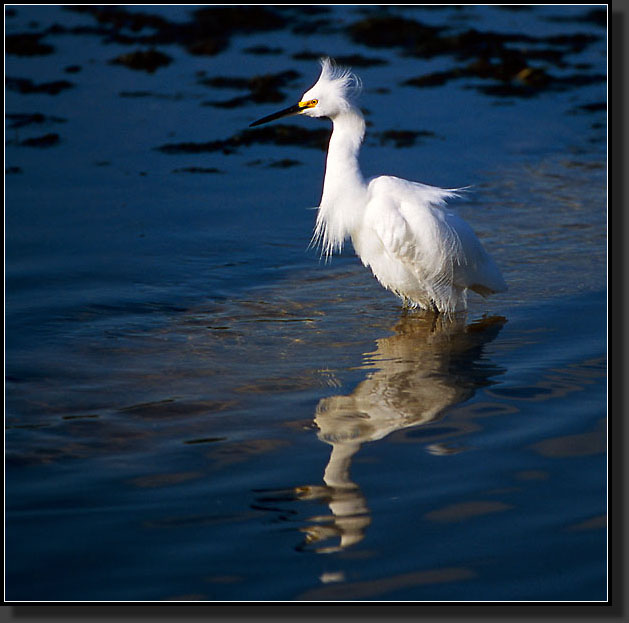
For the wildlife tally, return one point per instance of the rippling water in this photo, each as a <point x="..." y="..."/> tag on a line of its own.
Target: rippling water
<point x="197" y="408"/>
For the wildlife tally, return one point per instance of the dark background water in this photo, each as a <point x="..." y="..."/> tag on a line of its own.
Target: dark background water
<point x="197" y="408"/>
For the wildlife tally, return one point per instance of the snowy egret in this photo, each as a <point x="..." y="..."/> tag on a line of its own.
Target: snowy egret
<point x="424" y="253"/>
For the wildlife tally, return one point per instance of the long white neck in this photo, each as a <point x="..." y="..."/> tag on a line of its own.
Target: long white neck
<point x="344" y="189"/>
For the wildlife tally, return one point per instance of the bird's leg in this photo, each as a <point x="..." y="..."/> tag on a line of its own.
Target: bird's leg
<point x="433" y="323"/>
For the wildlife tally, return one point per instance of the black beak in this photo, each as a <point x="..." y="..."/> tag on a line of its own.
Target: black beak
<point x="287" y="112"/>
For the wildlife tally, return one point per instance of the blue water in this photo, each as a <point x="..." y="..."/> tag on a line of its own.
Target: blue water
<point x="198" y="408"/>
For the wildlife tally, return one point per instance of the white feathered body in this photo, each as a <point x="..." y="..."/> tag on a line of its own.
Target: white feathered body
<point x="402" y="230"/>
<point x="419" y="250"/>
<point x="414" y="245"/>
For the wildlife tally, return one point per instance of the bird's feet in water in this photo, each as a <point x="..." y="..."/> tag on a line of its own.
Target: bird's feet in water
<point x="409" y="307"/>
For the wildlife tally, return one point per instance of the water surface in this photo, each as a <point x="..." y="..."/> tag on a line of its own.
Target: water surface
<point x="198" y="408"/>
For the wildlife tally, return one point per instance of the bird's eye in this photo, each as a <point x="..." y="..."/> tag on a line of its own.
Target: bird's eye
<point x="313" y="102"/>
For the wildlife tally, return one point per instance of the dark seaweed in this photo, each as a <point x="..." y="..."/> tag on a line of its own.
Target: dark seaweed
<point x="284" y="163"/>
<point x="508" y="58"/>
<point x="208" y="33"/>
<point x="262" y="89"/>
<point x="514" y="78"/>
<point x="594" y="107"/>
<point x="26" y="86"/>
<point x="263" y="50"/>
<point x="197" y="170"/>
<point x="593" y="16"/>
<point x="26" y="44"/>
<point x="390" y="31"/>
<point x="20" y="120"/>
<point x="47" y="140"/>
<point x="278" y="134"/>
<point x="403" y="138"/>
<point x="144" y="60"/>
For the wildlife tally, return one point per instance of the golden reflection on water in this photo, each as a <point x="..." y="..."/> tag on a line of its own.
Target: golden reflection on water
<point x="428" y="365"/>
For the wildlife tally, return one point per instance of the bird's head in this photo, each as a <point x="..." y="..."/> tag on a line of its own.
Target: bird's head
<point x="328" y="97"/>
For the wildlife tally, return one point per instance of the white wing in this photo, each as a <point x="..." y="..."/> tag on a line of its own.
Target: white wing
<point x="433" y="243"/>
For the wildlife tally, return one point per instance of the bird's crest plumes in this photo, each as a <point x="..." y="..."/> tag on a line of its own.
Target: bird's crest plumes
<point x="335" y="83"/>
<point x="341" y="78"/>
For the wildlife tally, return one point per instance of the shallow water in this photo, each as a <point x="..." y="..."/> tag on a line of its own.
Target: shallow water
<point x="197" y="408"/>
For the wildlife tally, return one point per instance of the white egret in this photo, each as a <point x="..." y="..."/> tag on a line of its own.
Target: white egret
<point x="424" y="253"/>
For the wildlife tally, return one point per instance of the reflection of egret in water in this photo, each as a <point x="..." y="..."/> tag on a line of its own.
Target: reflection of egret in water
<point x="428" y="365"/>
